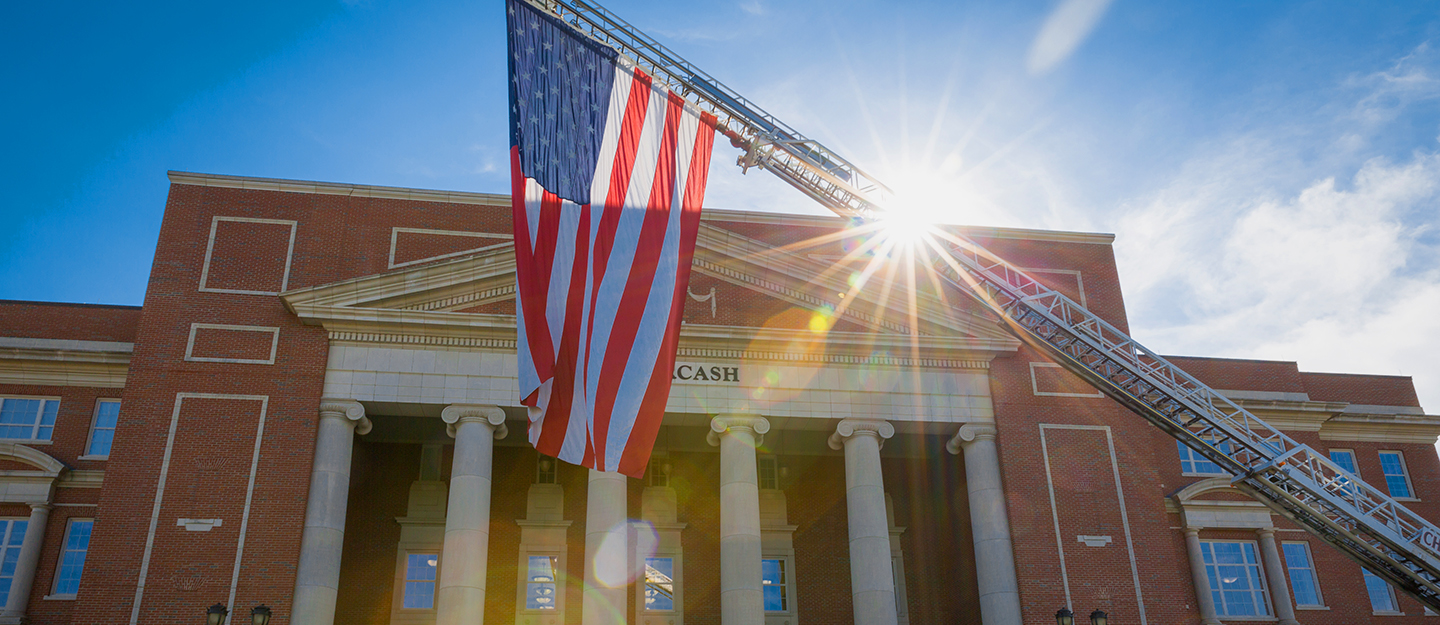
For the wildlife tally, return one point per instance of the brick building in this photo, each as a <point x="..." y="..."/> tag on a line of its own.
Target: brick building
<point x="280" y="424"/>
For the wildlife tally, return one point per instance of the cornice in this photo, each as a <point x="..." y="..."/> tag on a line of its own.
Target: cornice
<point x="54" y="362"/>
<point x="336" y="188"/>
<point x="1382" y="428"/>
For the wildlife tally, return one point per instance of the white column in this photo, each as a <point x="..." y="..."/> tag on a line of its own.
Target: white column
<point x="1275" y="570"/>
<point x="1199" y="578"/>
<point x="317" y="579"/>
<point x="19" y="598"/>
<point x="460" y="595"/>
<point x="741" y="599"/>
<point x="872" y="584"/>
<point x="989" y="525"/>
<point x="607" y="555"/>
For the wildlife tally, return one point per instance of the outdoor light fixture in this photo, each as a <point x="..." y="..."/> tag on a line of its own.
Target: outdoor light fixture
<point x="1064" y="617"/>
<point x="1099" y="618"/>
<point x="216" y="614"/>
<point x="260" y="615"/>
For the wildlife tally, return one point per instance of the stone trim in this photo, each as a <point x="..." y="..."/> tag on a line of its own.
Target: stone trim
<point x="210" y="248"/>
<point x="274" y="343"/>
<point x="395" y="238"/>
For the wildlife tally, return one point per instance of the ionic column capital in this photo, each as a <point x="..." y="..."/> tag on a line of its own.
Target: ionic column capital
<point x="1266" y="532"/>
<point x="348" y="410"/>
<point x="456" y="414"/>
<point x="1192" y="531"/>
<point x="721" y="424"/>
<point x="849" y="428"/>
<point x="41" y="507"/>
<point x="969" y="433"/>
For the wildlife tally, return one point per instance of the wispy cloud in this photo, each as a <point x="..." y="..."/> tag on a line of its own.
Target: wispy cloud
<point x="753" y="7"/>
<point x="1068" y="26"/>
<point x="1411" y="79"/>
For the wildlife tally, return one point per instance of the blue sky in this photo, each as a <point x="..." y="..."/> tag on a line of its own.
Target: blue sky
<point x="1271" y="169"/>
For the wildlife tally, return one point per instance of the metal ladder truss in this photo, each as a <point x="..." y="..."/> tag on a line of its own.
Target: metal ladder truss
<point x="1293" y="479"/>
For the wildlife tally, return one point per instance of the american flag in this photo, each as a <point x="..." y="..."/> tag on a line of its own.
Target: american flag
<point x="608" y="173"/>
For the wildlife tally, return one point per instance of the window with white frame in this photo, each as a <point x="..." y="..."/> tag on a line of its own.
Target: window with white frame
<point x="541" y="573"/>
<point x="12" y="533"/>
<point x="768" y="472"/>
<point x="1346" y="459"/>
<point x="546" y="471"/>
<point x="1392" y="464"/>
<point x="420" y="575"/>
<point x="1382" y="596"/>
<point x="775" y="584"/>
<point x="1302" y="575"/>
<point x="1192" y="463"/>
<point x="72" y="558"/>
<point x="28" y="418"/>
<point x="102" y="428"/>
<point x="1236" y="583"/>
<point x="660" y="585"/>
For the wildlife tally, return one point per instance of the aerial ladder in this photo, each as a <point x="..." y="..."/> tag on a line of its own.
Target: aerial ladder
<point x="1295" y="480"/>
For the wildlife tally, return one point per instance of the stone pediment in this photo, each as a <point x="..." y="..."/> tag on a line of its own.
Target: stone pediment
<point x="743" y="294"/>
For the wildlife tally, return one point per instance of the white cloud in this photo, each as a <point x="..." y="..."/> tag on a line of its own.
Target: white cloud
<point x="1328" y="276"/>
<point x="1066" y="28"/>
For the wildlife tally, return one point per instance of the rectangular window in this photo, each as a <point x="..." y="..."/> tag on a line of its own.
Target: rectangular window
<point x="659" y="471"/>
<point x="1302" y="575"/>
<point x="1346" y="459"/>
<point x="1236" y="584"/>
<point x="659" y="584"/>
<point x="546" y="471"/>
<point x="102" y="430"/>
<point x="420" y="571"/>
<point x="1196" y="464"/>
<point x="1382" y="596"/>
<point x="72" y="560"/>
<point x="12" y="533"/>
<point x="773" y="585"/>
<point x="540" y="582"/>
<point x="1392" y="464"/>
<point x="769" y="472"/>
<point x="28" y="418"/>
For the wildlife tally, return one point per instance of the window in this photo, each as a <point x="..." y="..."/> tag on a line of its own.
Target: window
<point x="545" y="470"/>
<point x="1382" y="596"/>
<point x="659" y="471"/>
<point x="1192" y="463"/>
<point x="102" y="429"/>
<point x="420" y="580"/>
<point x="774" y="585"/>
<point x="769" y="472"/>
<point x="12" y="533"/>
<point x="659" y="584"/>
<point x="72" y="560"/>
<point x="28" y="418"/>
<point x="1392" y="464"/>
<point x="1235" y="581"/>
<point x="540" y="582"/>
<point x="1302" y="575"/>
<point x="1346" y="459"/>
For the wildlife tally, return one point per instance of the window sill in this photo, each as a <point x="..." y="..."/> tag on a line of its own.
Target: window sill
<point x="59" y="597"/>
<point x="1406" y="499"/>
<point x="1316" y="608"/>
<point x="1184" y="474"/>
<point x="26" y="441"/>
<point x="1387" y="613"/>
<point x="1250" y="619"/>
<point x="99" y="458"/>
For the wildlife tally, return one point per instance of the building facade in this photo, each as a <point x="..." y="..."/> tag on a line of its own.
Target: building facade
<point x="315" y="409"/>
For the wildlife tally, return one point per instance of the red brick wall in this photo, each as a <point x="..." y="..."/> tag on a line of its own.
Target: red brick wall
<point x="1381" y="390"/>
<point x="82" y="322"/>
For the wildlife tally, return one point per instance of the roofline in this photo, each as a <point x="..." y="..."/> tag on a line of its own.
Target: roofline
<point x="500" y="199"/>
<point x="1280" y="362"/>
<point x="24" y="302"/>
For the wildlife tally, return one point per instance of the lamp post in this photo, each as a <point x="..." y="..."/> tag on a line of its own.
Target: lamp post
<point x="1064" y="617"/>
<point x="259" y="615"/>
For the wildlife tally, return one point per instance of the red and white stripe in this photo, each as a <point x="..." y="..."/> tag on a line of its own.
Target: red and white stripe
<point x="602" y="286"/>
